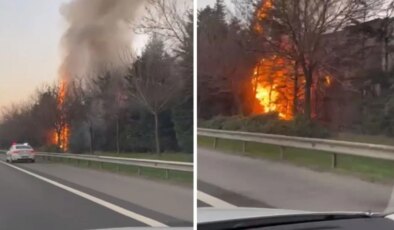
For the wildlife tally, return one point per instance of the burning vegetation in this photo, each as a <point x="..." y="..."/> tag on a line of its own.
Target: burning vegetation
<point x="304" y="62"/>
<point x="261" y="14"/>
<point x="277" y="82"/>
<point x="277" y="87"/>
<point x="96" y="42"/>
<point x="274" y="83"/>
<point x="274" y="87"/>
<point x="62" y="133"/>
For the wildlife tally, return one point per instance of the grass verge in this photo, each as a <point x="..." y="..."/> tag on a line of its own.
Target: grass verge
<point x="373" y="139"/>
<point x="177" y="177"/>
<point x="369" y="169"/>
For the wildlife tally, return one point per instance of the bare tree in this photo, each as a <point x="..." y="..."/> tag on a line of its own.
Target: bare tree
<point x="173" y="21"/>
<point x="168" y="19"/>
<point x="153" y="82"/>
<point x="297" y="29"/>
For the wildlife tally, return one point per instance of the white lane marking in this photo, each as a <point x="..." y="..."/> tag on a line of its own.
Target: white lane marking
<point x="390" y="206"/>
<point x="113" y="207"/>
<point x="213" y="201"/>
<point x="391" y="217"/>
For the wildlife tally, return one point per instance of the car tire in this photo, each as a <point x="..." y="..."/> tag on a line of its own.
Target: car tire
<point x="33" y="161"/>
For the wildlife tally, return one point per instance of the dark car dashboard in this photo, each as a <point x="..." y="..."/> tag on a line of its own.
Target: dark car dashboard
<point x="356" y="223"/>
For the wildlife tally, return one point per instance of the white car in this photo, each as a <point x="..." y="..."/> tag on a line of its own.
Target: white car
<point x="20" y="152"/>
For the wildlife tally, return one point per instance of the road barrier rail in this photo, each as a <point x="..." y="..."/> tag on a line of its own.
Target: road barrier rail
<point x="167" y="165"/>
<point x="376" y="151"/>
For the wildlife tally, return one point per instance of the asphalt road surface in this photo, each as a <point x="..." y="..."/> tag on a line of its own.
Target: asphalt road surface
<point x="55" y="196"/>
<point x="226" y="180"/>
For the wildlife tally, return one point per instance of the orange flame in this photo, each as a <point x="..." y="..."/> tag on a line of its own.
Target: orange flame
<point x="273" y="79"/>
<point x="261" y="14"/>
<point x="65" y="131"/>
<point x="272" y="87"/>
<point x="273" y="83"/>
<point x="327" y="80"/>
<point x="61" y="136"/>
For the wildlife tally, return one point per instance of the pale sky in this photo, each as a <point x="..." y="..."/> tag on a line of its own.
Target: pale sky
<point x="30" y="32"/>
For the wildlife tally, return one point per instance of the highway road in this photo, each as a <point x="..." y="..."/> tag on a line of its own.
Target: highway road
<point x="56" y="196"/>
<point x="227" y="180"/>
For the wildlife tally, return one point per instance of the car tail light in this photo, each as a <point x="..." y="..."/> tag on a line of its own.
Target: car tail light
<point x="15" y="152"/>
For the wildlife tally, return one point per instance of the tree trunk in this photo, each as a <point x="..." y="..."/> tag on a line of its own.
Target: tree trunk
<point x="386" y="55"/>
<point x="295" y="89"/>
<point x="91" y="138"/>
<point x="238" y="104"/>
<point x="117" y="135"/>
<point x="198" y="106"/>
<point x="308" y="86"/>
<point x="269" y="97"/>
<point x="316" y="108"/>
<point x="255" y="82"/>
<point x="59" y="142"/>
<point x="157" y="141"/>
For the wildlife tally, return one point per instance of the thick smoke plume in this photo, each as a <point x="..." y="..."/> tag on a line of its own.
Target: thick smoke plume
<point x="99" y="36"/>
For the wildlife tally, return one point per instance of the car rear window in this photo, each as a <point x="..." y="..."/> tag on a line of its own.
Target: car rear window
<point x="23" y="147"/>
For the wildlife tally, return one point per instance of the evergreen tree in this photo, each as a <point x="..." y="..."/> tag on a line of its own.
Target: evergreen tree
<point x="182" y="114"/>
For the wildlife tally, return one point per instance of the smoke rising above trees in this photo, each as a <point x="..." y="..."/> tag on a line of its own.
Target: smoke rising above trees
<point x="98" y="37"/>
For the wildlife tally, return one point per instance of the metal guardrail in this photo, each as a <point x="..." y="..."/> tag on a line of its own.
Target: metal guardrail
<point x="335" y="147"/>
<point x="167" y="165"/>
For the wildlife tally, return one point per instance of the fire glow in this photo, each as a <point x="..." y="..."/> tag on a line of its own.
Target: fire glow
<point x="262" y="13"/>
<point x="276" y="82"/>
<point x="272" y="87"/>
<point x="60" y="137"/>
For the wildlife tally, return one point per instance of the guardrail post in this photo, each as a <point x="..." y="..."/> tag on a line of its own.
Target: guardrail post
<point x="101" y="165"/>
<point x="167" y="174"/>
<point x="215" y="142"/>
<point x="243" y="146"/>
<point x="334" y="160"/>
<point x="282" y="152"/>
<point x="139" y="171"/>
<point x="117" y="168"/>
